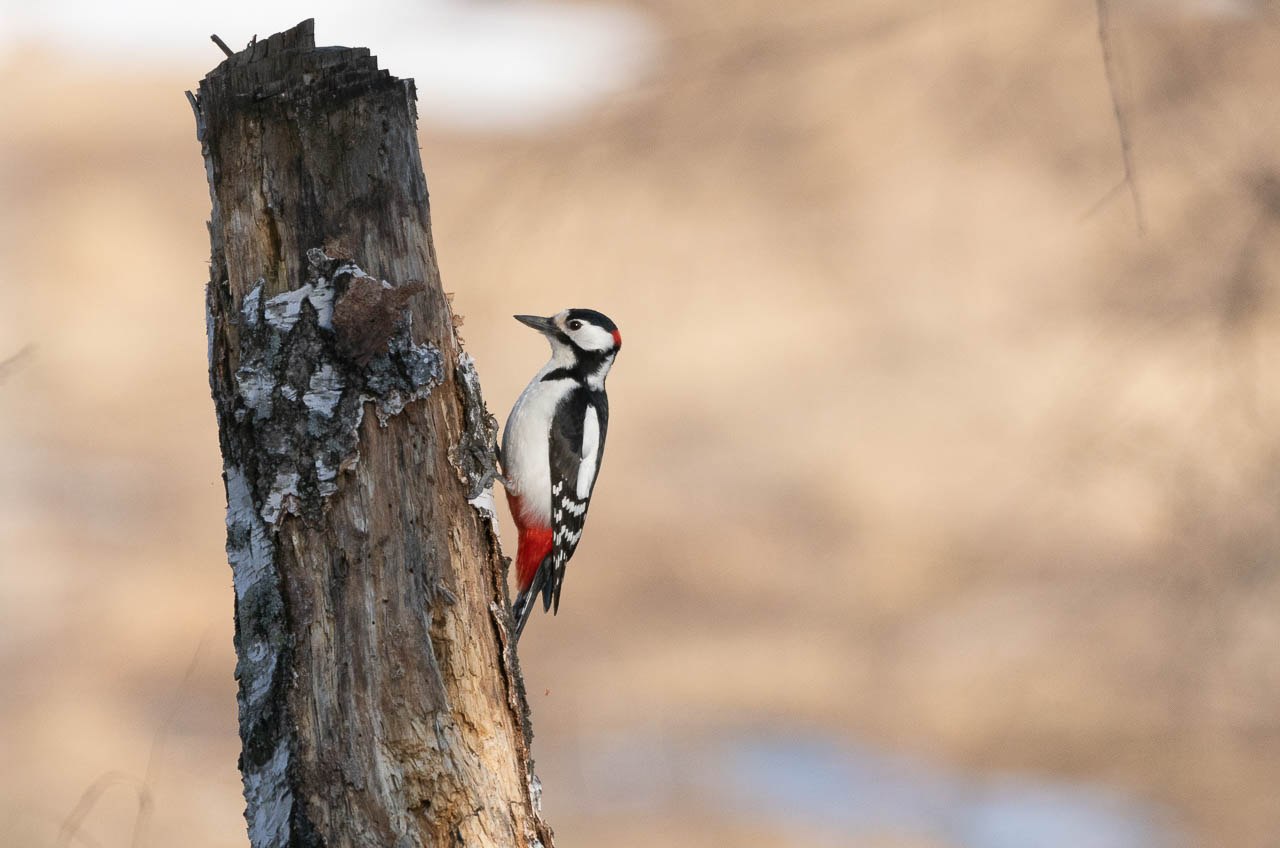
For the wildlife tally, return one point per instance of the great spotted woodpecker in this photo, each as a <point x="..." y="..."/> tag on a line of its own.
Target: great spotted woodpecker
<point x="551" y="450"/>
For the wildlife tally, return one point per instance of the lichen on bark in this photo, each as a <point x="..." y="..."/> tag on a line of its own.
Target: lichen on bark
<point x="301" y="393"/>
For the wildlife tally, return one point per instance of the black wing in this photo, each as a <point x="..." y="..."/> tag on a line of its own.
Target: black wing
<point x="568" y="509"/>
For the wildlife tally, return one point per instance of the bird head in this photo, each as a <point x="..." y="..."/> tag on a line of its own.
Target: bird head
<point x="579" y="331"/>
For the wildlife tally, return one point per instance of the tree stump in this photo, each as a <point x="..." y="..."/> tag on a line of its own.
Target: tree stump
<point x="380" y="700"/>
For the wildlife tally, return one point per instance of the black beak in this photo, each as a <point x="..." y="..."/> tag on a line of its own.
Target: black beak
<point x="542" y="325"/>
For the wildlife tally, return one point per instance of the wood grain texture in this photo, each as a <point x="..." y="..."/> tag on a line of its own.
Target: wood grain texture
<point x="380" y="701"/>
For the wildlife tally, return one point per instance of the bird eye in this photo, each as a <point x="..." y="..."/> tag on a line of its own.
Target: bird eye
<point x="575" y="324"/>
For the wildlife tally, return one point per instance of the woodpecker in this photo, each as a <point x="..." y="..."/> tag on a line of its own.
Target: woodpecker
<point x="551" y="450"/>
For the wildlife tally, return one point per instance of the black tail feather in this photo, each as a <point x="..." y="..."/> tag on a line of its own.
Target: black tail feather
<point x="548" y="592"/>
<point x="553" y="589"/>
<point x="523" y="605"/>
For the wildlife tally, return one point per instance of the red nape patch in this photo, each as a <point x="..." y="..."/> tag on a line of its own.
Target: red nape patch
<point x="534" y="545"/>
<point x="617" y="339"/>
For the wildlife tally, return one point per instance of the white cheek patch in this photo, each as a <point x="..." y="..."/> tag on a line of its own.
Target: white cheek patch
<point x="590" y="453"/>
<point x="591" y="337"/>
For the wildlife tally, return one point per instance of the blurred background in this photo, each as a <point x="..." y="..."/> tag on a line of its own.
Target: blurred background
<point x="940" y="508"/>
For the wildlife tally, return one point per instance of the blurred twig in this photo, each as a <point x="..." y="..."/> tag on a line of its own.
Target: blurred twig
<point x="75" y="819"/>
<point x="1101" y="202"/>
<point x="13" y="363"/>
<point x="158" y="741"/>
<point x="71" y="825"/>
<point x="1122" y="124"/>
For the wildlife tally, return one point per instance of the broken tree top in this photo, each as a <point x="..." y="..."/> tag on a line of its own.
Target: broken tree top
<point x="287" y="63"/>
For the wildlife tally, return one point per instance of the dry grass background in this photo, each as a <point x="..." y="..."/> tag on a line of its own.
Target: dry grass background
<point x="916" y="439"/>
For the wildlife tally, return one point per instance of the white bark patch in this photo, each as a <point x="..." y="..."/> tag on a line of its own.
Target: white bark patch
<point x="325" y="475"/>
<point x="535" y="793"/>
<point x="325" y="390"/>
<point x="269" y="800"/>
<point x="259" y="685"/>
<point x="255" y="385"/>
<point x="284" y="310"/>
<point x="208" y="330"/>
<point x="250" y="308"/>
<point x="486" y="506"/>
<point x="282" y="495"/>
<point x="248" y="547"/>
<point x="321" y="298"/>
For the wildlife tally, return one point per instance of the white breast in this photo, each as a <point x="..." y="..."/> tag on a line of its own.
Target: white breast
<point x="526" y="460"/>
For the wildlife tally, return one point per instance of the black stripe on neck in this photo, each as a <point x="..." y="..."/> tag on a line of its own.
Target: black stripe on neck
<point x="560" y="374"/>
<point x="585" y="364"/>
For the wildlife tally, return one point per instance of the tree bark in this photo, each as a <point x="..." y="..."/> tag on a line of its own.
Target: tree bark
<point x="380" y="700"/>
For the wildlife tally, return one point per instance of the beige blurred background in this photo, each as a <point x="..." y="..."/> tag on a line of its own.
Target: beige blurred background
<point x="941" y="501"/>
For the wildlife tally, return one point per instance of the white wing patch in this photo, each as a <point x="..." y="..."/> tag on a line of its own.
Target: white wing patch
<point x="590" y="453"/>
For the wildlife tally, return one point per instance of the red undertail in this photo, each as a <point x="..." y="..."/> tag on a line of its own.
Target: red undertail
<point x="534" y="547"/>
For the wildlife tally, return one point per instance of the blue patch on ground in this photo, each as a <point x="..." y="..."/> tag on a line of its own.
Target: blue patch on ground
<point x="856" y="791"/>
<point x="823" y="784"/>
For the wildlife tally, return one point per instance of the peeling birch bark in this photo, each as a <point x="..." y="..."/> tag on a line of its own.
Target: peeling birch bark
<point x="380" y="701"/>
